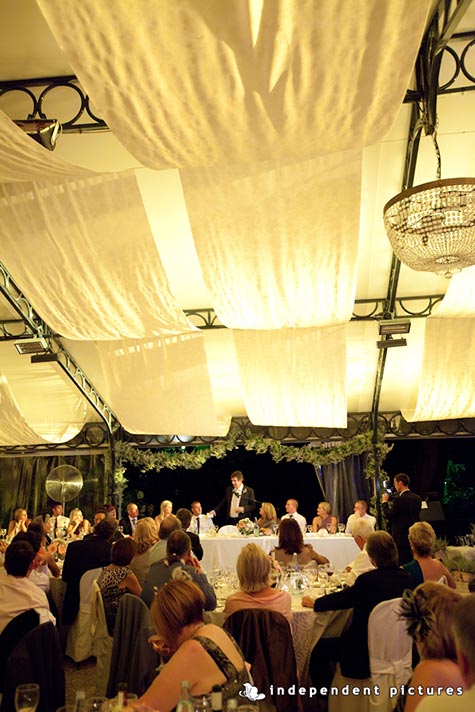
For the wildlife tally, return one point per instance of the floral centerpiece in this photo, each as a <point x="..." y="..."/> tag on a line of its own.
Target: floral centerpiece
<point x="245" y="527"/>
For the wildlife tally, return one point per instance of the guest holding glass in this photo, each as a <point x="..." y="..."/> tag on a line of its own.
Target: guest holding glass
<point x="78" y="527"/>
<point x="325" y="519"/>
<point x="267" y="521"/>
<point x="117" y="579"/>
<point x="203" y="653"/>
<point x="253" y="570"/>
<point x="291" y="542"/>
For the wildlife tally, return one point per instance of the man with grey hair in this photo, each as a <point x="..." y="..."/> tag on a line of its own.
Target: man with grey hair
<point x="463" y="627"/>
<point x="159" y="550"/>
<point x="361" y="529"/>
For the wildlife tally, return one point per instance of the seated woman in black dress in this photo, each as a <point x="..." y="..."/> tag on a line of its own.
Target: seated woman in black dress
<point x="202" y="653"/>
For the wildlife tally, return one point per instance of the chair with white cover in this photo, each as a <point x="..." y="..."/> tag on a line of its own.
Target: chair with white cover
<point x="390" y="653"/>
<point x="390" y="659"/>
<point x="228" y="530"/>
<point x="79" y="645"/>
<point x="101" y="640"/>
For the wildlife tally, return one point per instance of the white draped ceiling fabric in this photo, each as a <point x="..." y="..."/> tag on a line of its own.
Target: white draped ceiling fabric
<point x="448" y="367"/>
<point x="264" y="106"/>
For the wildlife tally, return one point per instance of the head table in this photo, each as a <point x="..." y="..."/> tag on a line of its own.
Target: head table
<point x="223" y="551"/>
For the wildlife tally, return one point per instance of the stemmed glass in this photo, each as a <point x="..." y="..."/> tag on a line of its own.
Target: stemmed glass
<point x="341" y="528"/>
<point x="27" y="697"/>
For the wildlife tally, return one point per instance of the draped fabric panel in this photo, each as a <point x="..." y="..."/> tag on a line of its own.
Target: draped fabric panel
<point x="38" y="402"/>
<point x="294" y="377"/>
<point x="278" y="243"/>
<point x="448" y="371"/>
<point x="22" y="159"/>
<point x="240" y="81"/>
<point x="83" y="253"/>
<point x="343" y="484"/>
<point x="161" y="385"/>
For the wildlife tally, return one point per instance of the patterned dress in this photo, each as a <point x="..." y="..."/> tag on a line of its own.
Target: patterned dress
<point x="108" y="582"/>
<point x="235" y="679"/>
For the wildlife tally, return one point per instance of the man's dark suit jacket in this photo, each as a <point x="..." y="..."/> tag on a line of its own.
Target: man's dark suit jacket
<point x="368" y="590"/>
<point x="247" y="500"/>
<point x="404" y="512"/>
<point x="196" y="547"/>
<point x="126" y="525"/>
<point x="81" y="556"/>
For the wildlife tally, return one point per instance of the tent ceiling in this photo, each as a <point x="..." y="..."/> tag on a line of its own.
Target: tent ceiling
<point x="255" y="220"/>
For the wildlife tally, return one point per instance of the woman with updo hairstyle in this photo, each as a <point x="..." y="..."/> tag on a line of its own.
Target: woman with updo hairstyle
<point x="423" y="567"/>
<point x="427" y="612"/>
<point x="291" y="542"/>
<point x="325" y="519"/>
<point x="253" y="570"/>
<point x="117" y="579"/>
<point x="145" y="536"/>
<point x="204" y="651"/>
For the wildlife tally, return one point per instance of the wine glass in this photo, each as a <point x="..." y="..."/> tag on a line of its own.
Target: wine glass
<point x="27" y="697"/>
<point x="341" y="529"/>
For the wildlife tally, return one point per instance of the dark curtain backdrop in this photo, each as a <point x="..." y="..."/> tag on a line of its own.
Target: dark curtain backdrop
<point x="342" y="484"/>
<point x="22" y="484"/>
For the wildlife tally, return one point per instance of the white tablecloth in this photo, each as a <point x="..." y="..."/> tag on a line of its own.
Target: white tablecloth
<point x="222" y="552"/>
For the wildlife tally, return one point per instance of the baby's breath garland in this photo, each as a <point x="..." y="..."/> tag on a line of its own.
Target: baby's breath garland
<point x="327" y="455"/>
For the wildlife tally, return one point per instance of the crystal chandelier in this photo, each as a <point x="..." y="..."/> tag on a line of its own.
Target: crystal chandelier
<point x="432" y="227"/>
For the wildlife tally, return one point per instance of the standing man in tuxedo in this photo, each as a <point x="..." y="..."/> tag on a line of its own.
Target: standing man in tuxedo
<point x="239" y="501"/>
<point x="405" y="511"/>
<point x="129" y="522"/>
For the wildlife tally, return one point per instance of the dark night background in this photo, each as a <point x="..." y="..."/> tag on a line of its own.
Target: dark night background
<point x="425" y="461"/>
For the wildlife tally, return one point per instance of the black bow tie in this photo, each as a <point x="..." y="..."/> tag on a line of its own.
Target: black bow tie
<point x="236" y="493"/>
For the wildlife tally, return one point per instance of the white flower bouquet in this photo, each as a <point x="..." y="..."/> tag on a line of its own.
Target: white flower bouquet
<point x="245" y="527"/>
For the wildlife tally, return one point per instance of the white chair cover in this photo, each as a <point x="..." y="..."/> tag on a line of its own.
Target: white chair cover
<point x="79" y="645"/>
<point x="390" y="653"/>
<point x="228" y="530"/>
<point x="390" y="658"/>
<point x="101" y="640"/>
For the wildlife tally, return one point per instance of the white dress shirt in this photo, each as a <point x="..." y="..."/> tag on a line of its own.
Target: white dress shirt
<point x="17" y="596"/>
<point x="235" y="502"/>
<point x="352" y="518"/>
<point x="200" y="524"/>
<point x="299" y="518"/>
<point x="360" y="565"/>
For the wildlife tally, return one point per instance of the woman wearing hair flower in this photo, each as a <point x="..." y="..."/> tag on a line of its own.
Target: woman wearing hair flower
<point x="427" y="611"/>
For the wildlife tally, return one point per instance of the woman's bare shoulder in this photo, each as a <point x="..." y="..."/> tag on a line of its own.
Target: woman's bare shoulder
<point x="437" y="672"/>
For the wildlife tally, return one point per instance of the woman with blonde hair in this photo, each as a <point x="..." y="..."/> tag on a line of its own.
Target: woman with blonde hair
<point x="427" y="611"/>
<point x="78" y="526"/>
<point x="253" y="570"/>
<point x="166" y="508"/>
<point x="291" y="542"/>
<point x="18" y="524"/>
<point x="145" y="536"/>
<point x="325" y="519"/>
<point x="423" y="567"/>
<point x="202" y="652"/>
<point x="267" y="521"/>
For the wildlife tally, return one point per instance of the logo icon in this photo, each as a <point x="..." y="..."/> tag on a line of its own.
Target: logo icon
<point x="250" y="691"/>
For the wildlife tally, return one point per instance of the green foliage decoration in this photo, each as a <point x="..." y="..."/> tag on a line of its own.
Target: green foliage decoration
<point x="328" y="454"/>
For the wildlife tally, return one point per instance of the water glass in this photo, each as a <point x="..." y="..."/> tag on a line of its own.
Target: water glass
<point x="341" y="529"/>
<point x="27" y="697"/>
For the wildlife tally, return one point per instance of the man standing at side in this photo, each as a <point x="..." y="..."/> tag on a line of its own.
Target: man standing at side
<point x="239" y="501"/>
<point x="404" y="512"/>
<point x="129" y="522"/>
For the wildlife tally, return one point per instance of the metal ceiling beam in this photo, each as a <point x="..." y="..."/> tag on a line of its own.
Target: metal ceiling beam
<point x="39" y="329"/>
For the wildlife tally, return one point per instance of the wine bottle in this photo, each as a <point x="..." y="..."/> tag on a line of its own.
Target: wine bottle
<point x="185" y="701"/>
<point x="80" y="702"/>
<point x="122" y="695"/>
